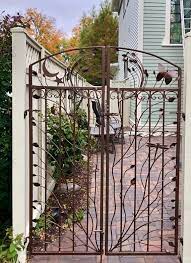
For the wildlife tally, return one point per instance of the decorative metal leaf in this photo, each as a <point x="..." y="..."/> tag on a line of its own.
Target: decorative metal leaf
<point x="34" y="73"/>
<point x="168" y="78"/>
<point x="36" y="184"/>
<point x="160" y="76"/>
<point x="171" y="99"/>
<point x="35" y="144"/>
<point x="132" y="166"/>
<point x="133" y="181"/>
<point x="35" y="96"/>
<point x="53" y="110"/>
<point x="146" y="73"/>
<point x="171" y="244"/>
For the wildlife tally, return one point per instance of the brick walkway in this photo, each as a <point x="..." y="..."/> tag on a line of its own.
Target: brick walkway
<point x="114" y="259"/>
<point x="143" y="231"/>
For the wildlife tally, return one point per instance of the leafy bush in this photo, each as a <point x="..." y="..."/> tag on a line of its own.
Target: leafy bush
<point x="76" y="218"/>
<point x="67" y="142"/>
<point x="81" y="118"/>
<point x="40" y="224"/>
<point x="6" y="23"/>
<point x="10" y="246"/>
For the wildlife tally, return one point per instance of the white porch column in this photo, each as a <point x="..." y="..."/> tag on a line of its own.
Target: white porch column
<point x="20" y="156"/>
<point x="187" y="153"/>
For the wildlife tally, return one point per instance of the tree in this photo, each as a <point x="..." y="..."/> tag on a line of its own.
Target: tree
<point x="98" y="29"/>
<point x="74" y="41"/>
<point x="43" y="29"/>
<point x="6" y="23"/>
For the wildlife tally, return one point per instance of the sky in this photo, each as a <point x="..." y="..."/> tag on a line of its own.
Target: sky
<point x="66" y="12"/>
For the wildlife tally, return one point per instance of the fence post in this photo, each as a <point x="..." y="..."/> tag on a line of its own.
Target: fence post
<point x="19" y="159"/>
<point x="187" y="153"/>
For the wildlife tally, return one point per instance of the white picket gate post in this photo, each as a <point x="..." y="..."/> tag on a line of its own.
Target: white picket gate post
<point x="187" y="153"/>
<point x="19" y="126"/>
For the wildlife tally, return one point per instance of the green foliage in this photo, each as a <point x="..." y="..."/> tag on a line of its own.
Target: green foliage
<point x="101" y="31"/>
<point x="81" y="118"/>
<point x="67" y="141"/>
<point x="10" y="246"/>
<point x="6" y="23"/>
<point x="77" y="217"/>
<point x="40" y="224"/>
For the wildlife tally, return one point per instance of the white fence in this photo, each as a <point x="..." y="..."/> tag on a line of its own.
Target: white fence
<point x="26" y="51"/>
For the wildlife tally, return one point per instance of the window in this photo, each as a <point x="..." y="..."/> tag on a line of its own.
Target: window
<point x="187" y="15"/>
<point x="175" y="23"/>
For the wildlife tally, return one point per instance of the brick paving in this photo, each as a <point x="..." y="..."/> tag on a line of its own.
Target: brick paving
<point x="153" y="206"/>
<point x="113" y="259"/>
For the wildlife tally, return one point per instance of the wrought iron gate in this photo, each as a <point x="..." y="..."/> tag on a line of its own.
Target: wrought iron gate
<point x="104" y="142"/>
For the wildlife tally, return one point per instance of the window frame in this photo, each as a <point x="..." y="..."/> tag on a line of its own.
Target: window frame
<point x="167" y="37"/>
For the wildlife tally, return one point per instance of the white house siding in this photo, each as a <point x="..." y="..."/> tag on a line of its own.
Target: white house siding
<point x="128" y="35"/>
<point x="153" y="35"/>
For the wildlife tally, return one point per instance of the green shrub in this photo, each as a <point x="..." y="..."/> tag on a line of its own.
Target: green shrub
<point x="77" y="217"/>
<point x="39" y="228"/>
<point x="10" y="246"/>
<point x="67" y="142"/>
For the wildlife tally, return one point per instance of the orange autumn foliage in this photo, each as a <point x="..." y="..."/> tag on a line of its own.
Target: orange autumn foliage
<point x="43" y="29"/>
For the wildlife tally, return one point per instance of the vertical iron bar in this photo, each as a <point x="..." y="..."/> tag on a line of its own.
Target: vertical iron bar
<point x="60" y="164"/>
<point x="162" y="186"/>
<point x="73" y="191"/>
<point x="30" y="162"/>
<point x="121" y="193"/>
<point x="149" y="167"/>
<point x="178" y="159"/>
<point x="135" y="172"/>
<point x="88" y="171"/>
<point x="103" y="53"/>
<point x="46" y="169"/>
<point x="107" y="146"/>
